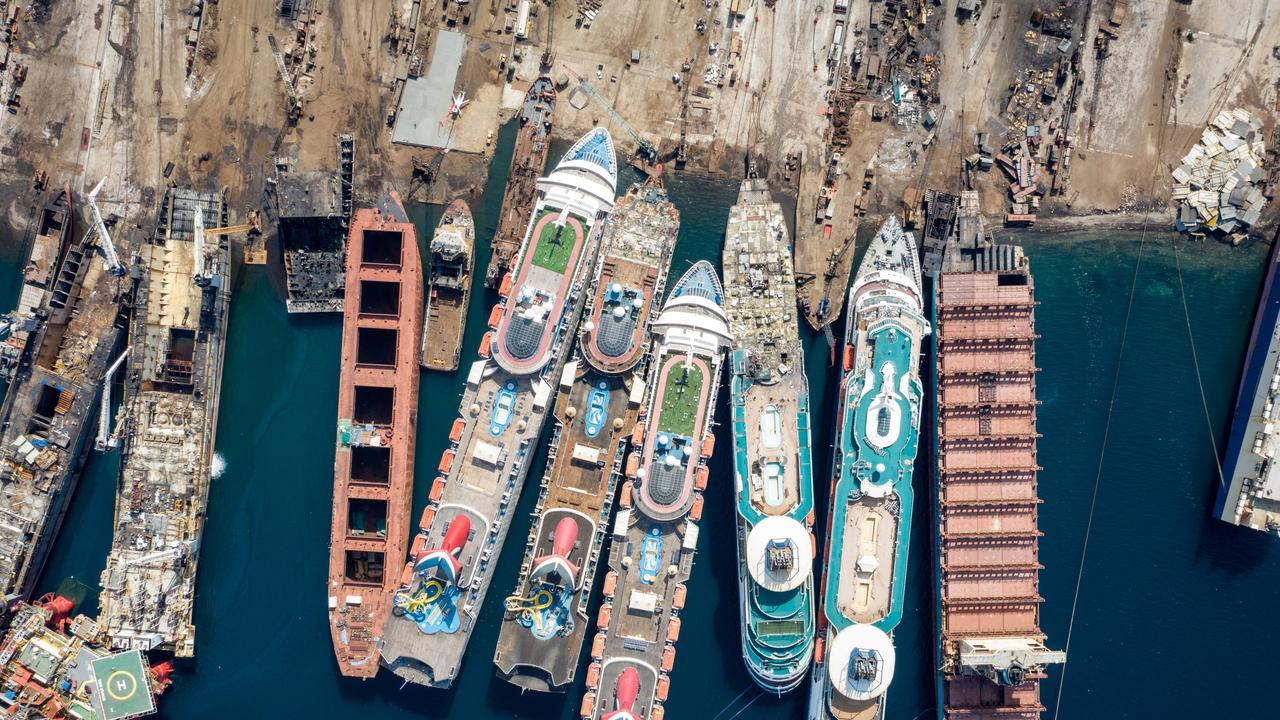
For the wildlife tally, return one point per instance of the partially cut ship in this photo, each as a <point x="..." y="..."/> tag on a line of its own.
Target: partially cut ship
<point x="877" y="437"/>
<point x="991" y="652"/>
<point x="771" y="441"/>
<point x="177" y="339"/>
<point x="528" y="158"/>
<point x="655" y="533"/>
<point x="376" y="430"/>
<point x="504" y="404"/>
<point x="449" y="287"/>
<point x="601" y="390"/>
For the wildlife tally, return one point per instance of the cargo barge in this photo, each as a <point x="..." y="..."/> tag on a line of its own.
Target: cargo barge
<point x="655" y="532"/>
<point x="508" y="393"/>
<point x="453" y="261"/>
<point x="177" y="337"/>
<point x="991" y="654"/>
<point x="601" y="389"/>
<point x="773" y="473"/>
<point x="57" y="344"/>
<point x="1249" y="489"/>
<point x="377" y="427"/>
<point x="877" y="437"/>
<point x="528" y="159"/>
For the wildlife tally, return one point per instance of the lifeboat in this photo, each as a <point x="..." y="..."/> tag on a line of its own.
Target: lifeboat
<point x="505" y="288"/>
<point x="708" y="446"/>
<point x="455" y="432"/>
<point x="624" y="501"/>
<point x="484" y="344"/>
<point x="658" y="713"/>
<point x="446" y="461"/>
<point x="437" y="489"/>
<point x="419" y="544"/>
<point x="495" y="316"/>
<point x="593" y="675"/>
<point x="819" y="647"/>
<point x="664" y="686"/>
<point x="406" y="575"/>
<point x="602" y="620"/>
<point x="428" y="514"/>
<point x="588" y="705"/>
<point x="700" y="477"/>
<point x="597" y="647"/>
<point x="610" y="583"/>
<point x="677" y="602"/>
<point x="637" y="434"/>
<point x="633" y="464"/>
<point x="848" y="358"/>
<point x="695" y="512"/>
<point x="668" y="659"/>
<point x="673" y="630"/>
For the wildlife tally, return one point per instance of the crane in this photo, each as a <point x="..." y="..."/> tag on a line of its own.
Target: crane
<point x="644" y="148"/>
<point x="295" y="102"/>
<point x="198" y="231"/>
<point x="106" y="440"/>
<point x="109" y="256"/>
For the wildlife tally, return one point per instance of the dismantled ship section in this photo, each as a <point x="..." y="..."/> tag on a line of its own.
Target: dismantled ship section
<point x="992" y="655"/>
<point x="177" y="337"/>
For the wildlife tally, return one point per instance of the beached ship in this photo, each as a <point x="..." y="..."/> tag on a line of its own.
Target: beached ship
<point x="377" y="427"/>
<point x="601" y="389"/>
<point x="56" y="346"/>
<point x="449" y="287"/>
<point x="1249" y="490"/>
<point x="655" y="533"/>
<point x="177" y="337"/>
<point x="773" y="474"/>
<point x="877" y="437"/>
<point x="504" y="403"/>
<point x="528" y="159"/>
<point x="991" y="654"/>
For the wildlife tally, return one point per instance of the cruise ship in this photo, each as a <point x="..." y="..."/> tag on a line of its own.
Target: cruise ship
<point x="877" y="436"/>
<point x="508" y="393"/>
<point x="601" y="390"/>
<point x="376" y="429"/>
<point x="773" y="474"/>
<point x="177" y="336"/>
<point x="655" y="532"/>
<point x="991" y="654"/>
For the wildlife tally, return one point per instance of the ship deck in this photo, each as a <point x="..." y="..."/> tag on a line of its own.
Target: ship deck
<point x="377" y="420"/>
<point x="528" y="160"/>
<point x="482" y="474"/>
<point x="683" y="387"/>
<point x="771" y="444"/>
<point x="617" y="343"/>
<point x="579" y="484"/>
<point x="987" y="499"/>
<point x="452" y="267"/>
<point x="178" y="337"/>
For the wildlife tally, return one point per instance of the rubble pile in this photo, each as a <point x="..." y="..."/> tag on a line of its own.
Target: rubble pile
<point x="1218" y="184"/>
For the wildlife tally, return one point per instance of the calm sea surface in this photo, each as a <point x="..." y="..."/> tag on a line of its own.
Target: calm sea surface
<point x="1176" y="614"/>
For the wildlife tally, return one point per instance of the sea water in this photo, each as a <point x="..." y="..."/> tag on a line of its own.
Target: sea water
<point x="1176" y="614"/>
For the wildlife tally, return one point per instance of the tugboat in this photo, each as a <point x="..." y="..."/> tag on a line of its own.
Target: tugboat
<point x="877" y="436"/>
<point x="655" y="533"/>
<point x="449" y="288"/>
<point x="601" y="391"/>
<point x="771" y="438"/>
<point x="508" y="394"/>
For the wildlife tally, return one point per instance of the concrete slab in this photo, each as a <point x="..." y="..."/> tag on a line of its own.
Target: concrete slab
<point x="421" y="119"/>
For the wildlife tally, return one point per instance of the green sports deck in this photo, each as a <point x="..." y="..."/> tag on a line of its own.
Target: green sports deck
<point x="681" y="395"/>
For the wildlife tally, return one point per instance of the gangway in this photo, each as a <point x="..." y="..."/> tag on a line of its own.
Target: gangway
<point x="106" y="440"/>
<point x="112" y="260"/>
<point x="644" y="148"/>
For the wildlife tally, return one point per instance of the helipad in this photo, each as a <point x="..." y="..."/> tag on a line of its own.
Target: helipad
<point x="123" y="690"/>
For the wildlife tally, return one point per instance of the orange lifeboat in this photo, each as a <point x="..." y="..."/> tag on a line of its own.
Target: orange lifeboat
<point x="484" y="344"/>
<point x="695" y="512"/>
<point x="633" y="464"/>
<point x="446" y="461"/>
<point x="505" y="288"/>
<point x="819" y="647"/>
<point x="848" y="358"/>
<point x="624" y="500"/>
<point x="637" y="434"/>
<point x="664" y="686"/>
<point x="673" y="630"/>
<point x="602" y="620"/>
<point x="419" y="544"/>
<point x="588" y="705"/>
<point x="708" y="446"/>
<point x="677" y="602"/>
<point x="610" y="583"/>
<point x="455" y="432"/>
<point x="700" y="477"/>
<point x="593" y="676"/>
<point x="495" y="316"/>
<point x="668" y="659"/>
<point x="428" y="515"/>
<point x="597" y="647"/>
<point x="437" y="489"/>
<point x="658" y="713"/>
<point x="406" y="575"/>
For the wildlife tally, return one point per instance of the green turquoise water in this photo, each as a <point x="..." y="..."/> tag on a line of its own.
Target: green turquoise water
<point x="1176" y="616"/>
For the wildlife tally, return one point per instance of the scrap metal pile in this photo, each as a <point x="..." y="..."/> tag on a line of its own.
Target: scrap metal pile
<point x="1219" y="184"/>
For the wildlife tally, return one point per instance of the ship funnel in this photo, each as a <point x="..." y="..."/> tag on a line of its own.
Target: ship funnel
<point x="624" y="695"/>
<point x="443" y="563"/>
<point x="556" y="567"/>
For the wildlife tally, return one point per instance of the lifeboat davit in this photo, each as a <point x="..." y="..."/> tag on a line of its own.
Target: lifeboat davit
<point x="443" y="563"/>
<point x="556" y="566"/>
<point x="625" y="692"/>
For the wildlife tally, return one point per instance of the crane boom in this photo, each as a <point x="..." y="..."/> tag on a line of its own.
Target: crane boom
<point x="644" y="148"/>
<point x="198" y="231"/>
<point x="105" y="441"/>
<point x="112" y="260"/>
